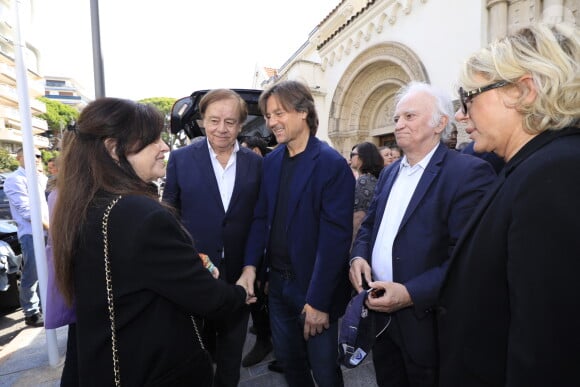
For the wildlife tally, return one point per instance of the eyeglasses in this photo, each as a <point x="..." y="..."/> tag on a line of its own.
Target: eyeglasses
<point x="467" y="96"/>
<point x="353" y="154"/>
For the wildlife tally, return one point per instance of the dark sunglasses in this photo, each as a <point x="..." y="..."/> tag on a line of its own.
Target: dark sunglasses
<point x="353" y="154"/>
<point x="467" y="96"/>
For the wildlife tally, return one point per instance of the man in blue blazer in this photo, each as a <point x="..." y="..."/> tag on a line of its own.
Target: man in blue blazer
<point x="303" y="222"/>
<point x="421" y="205"/>
<point x="214" y="184"/>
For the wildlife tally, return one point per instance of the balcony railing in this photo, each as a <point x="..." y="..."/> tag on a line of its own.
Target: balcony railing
<point x="39" y="124"/>
<point x="15" y="135"/>
<point x="13" y="115"/>
<point x="7" y="72"/>
<point x="37" y="105"/>
<point x="11" y="94"/>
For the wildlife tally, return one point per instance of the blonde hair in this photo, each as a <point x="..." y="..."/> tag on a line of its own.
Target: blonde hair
<point x="551" y="56"/>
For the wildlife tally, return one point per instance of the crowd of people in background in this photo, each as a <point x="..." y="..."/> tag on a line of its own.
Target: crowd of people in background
<point x="477" y="290"/>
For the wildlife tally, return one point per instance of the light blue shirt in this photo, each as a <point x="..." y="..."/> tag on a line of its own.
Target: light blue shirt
<point x="16" y="189"/>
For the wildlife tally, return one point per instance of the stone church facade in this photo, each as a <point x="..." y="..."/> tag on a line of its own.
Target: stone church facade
<point x="360" y="55"/>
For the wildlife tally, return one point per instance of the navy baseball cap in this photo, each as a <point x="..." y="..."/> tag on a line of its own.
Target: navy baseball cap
<point x="359" y="329"/>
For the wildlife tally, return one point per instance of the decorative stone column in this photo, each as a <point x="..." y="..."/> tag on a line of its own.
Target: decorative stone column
<point x="553" y="11"/>
<point x="498" y="18"/>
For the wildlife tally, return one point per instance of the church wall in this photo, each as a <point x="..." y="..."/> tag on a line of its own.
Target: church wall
<point x="364" y="50"/>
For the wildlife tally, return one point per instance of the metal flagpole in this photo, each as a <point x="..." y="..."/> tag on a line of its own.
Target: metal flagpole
<point x="98" y="69"/>
<point x="33" y="191"/>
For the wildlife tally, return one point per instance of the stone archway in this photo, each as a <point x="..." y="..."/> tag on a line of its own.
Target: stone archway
<point x="363" y="102"/>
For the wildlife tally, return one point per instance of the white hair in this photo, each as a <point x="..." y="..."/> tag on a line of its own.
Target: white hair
<point x="443" y="105"/>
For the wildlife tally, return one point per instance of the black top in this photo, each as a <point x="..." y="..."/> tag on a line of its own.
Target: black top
<point x="158" y="282"/>
<point x="280" y="258"/>
<point x="509" y="312"/>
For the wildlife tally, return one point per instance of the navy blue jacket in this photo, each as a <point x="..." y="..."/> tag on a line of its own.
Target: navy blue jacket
<point x="443" y="201"/>
<point x="319" y="223"/>
<point x="191" y="187"/>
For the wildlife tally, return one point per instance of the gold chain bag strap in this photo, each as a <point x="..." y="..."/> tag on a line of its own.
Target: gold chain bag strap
<point x="109" y="282"/>
<point x="110" y="302"/>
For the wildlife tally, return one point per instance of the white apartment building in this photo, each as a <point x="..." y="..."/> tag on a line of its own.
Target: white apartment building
<point x="65" y="90"/>
<point x="10" y="125"/>
<point x="360" y="55"/>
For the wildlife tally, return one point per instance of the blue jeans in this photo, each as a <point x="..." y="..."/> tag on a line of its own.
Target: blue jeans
<point x="29" y="300"/>
<point x="298" y="356"/>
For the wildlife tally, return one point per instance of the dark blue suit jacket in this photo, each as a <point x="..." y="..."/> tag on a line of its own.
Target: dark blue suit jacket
<point x="191" y="187"/>
<point x="445" y="197"/>
<point x="319" y="223"/>
<point x="496" y="162"/>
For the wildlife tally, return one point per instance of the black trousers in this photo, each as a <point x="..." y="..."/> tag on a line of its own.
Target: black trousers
<point x="260" y="314"/>
<point x="224" y="339"/>
<point x="394" y="367"/>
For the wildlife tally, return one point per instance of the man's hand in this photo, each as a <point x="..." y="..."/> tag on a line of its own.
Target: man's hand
<point x="315" y="321"/>
<point x="246" y="280"/>
<point x="395" y="297"/>
<point x="359" y="267"/>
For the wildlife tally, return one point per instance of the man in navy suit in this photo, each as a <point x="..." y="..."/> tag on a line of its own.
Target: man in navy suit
<point x="214" y="185"/>
<point x="303" y="222"/>
<point x="421" y="205"/>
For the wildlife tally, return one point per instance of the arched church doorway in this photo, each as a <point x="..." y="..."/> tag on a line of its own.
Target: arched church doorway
<point x="362" y="105"/>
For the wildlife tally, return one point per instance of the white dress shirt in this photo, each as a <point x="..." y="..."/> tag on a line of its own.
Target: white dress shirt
<point x="225" y="177"/>
<point x="403" y="188"/>
<point x="16" y="189"/>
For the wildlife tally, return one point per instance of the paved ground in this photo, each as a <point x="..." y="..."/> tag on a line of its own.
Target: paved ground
<point x="24" y="359"/>
<point x="11" y="324"/>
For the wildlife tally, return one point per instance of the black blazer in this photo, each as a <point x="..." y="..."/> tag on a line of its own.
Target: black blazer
<point x="158" y="282"/>
<point x="511" y="298"/>
<point x="192" y="188"/>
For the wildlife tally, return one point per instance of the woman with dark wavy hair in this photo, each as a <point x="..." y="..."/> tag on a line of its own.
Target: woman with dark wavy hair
<point x="368" y="163"/>
<point x="125" y="261"/>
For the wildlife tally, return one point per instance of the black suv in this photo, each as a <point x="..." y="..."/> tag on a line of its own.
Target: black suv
<point x="185" y="116"/>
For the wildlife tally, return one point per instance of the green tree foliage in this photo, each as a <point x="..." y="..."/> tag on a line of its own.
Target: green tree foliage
<point x="7" y="161"/>
<point x="164" y="104"/>
<point x="48" y="154"/>
<point x="58" y="115"/>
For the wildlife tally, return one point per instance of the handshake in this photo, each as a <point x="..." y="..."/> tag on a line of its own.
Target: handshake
<point x="246" y="281"/>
